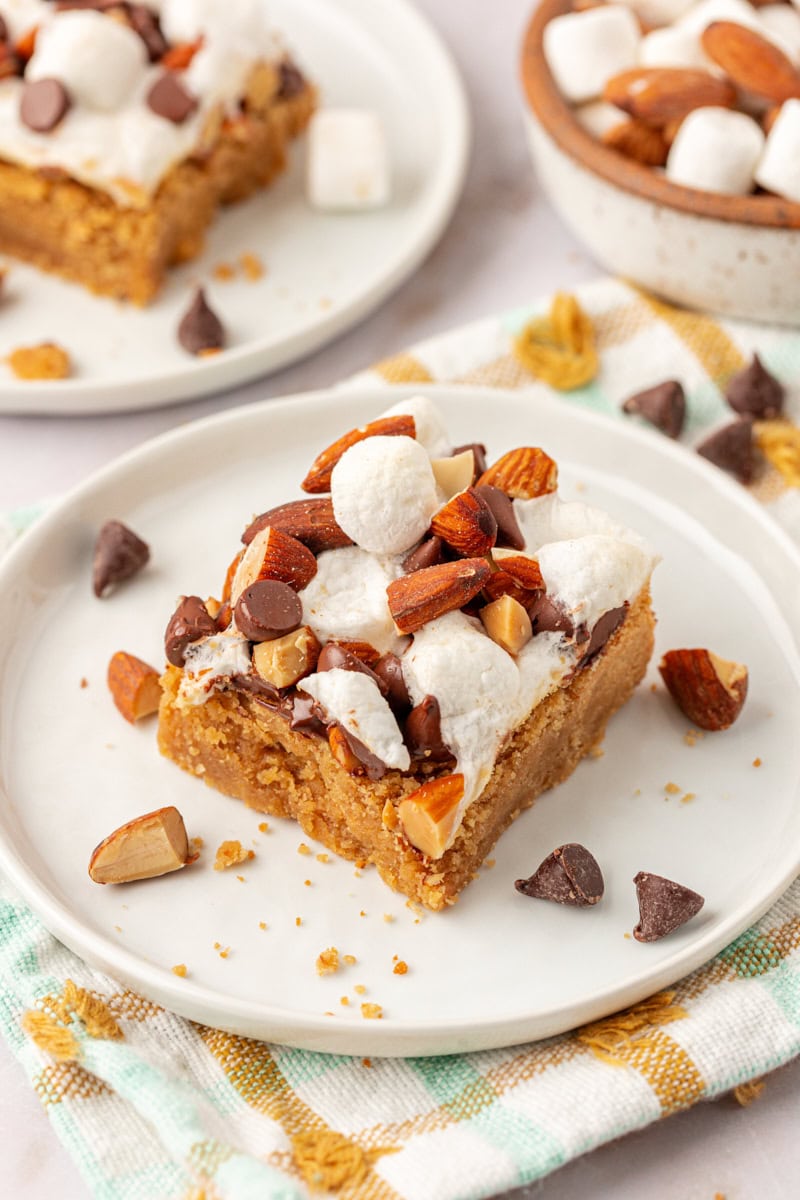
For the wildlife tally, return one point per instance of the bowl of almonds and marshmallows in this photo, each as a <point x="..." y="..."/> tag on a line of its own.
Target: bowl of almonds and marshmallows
<point x="667" y="135"/>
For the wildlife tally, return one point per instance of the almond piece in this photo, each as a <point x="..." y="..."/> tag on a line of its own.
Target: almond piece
<point x="311" y="521"/>
<point x="658" y="95"/>
<point x="751" y="61"/>
<point x="430" y="593"/>
<point x="230" y="575"/>
<point x="523" y="473"/>
<point x="428" y="815"/>
<point x="179" y="56"/>
<point x="454" y="474"/>
<point x="363" y="651"/>
<point x="342" y="752"/>
<point x="318" y="478"/>
<point x="274" y="555"/>
<point x="522" y="580"/>
<point x="150" y="845"/>
<point x="133" y="685"/>
<point x="466" y="524"/>
<point x="286" y="659"/>
<point x="638" y="141"/>
<point x="507" y="623"/>
<point x="707" y="689"/>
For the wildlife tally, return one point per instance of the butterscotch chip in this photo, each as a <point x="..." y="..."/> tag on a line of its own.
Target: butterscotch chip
<point x="230" y="854"/>
<point x="45" y="361"/>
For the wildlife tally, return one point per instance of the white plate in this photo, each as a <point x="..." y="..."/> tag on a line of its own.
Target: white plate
<point x="498" y="968"/>
<point x="324" y="272"/>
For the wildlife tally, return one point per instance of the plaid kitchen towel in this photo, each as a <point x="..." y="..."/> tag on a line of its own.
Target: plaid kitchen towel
<point x="154" y="1107"/>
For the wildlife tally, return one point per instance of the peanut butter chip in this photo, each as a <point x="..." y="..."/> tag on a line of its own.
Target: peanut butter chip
<point x="168" y="98"/>
<point x="200" y="329"/>
<point x="43" y="104"/>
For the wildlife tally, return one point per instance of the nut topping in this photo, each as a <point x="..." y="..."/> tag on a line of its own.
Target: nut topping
<point x="454" y="474"/>
<point x="276" y="556"/>
<point x="466" y="524"/>
<point x="118" y="554"/>
<point x="318" y="478"/>
<point x="311" y="521"/>
<point x="430" y="593"/>
<point x="636" y="140"/>
<point x="190" y="622"/>
<point x="751" y="61"/>
<point x="524" y="473"/>
<point x="507" y="623"/>
<point x="134" y="686"/>
<point x="285" y="660"/>
<point x="428" y="816"/>
<point x="659" y="95"/>
<point x="708" y="689"/>
<point x="150" y="845"/>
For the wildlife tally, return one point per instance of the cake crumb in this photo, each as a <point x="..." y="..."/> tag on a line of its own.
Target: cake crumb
<point x="359" y="989"/>
<point x="328" y="961"/>
<point x="756" y="762"/>
<point x="672" y="789"/>
<point x="692" y="736"/>
<point x="303" y="849"/>
<point x="362" y="913"/>
<point x="596" y="752"/>
<point x="323" y="858"/>
<point x="400" y="968"/>
<point x="388" y="918"/>
<point x="118" y="928"/>
<point x="371" y="1012"/>
<point x="637" y="792"/>
<point x="298" y="921"/>
<point x="45" y="361"/>
<point x="345" y="1000"/>
<point x="224" y="953"/>
<point x="263" y="827"/>
<point x="688" y="797"/>
<point x="180" y="970"/>
<point x="366" y="1062"/>
<point x="490" y="862"/>
<point x="262" y="924"/>
<point x="84" y="682"/>
<point x="217" y="945"/>
<point x="197" y="843"/>
<point x="357" y="873"/>
<point x="349" y="959"/>
<point x="252" y="266"/>
<point x="653" y="687"/>
<point x="241" y="878"/>
<point x="230" y="854"/>
<point x="626" y="935"/>
<point x="307" y="883"/>
<point x="224" y="272"/>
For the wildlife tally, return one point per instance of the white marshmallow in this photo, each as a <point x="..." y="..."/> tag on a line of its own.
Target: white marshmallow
<point x="347" y="598"/>
<point x="781" y="23"/>
<point x="21" y="16"/>
<point x="674" y="46"/>
<point x="384" y="493"/>
<point x="658" y="12"/>
<point x="348" y="160"/>
<point x="585" y="49"/>
<point x="716" y="150"/>
<point x="551" y="519"/>
<point x="98" y="60"/>
<point x="597" y="117"/>
<point x="210" y="662"/>
<point x="590" y="575"/>
<point x="235" y="20"/>
<point x="355" y="702"/>
<point x="702" y="14"/>
<point x="431" y="431"/>
<point x="779" y="169"/>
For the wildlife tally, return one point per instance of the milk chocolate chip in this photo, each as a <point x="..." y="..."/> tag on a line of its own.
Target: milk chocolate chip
<point x="268" y="609"/>
<point x="200" y="330"/>
<point x="509" y="536"/>
<point x="190" y="622"/>
<point x="755" y="392"/>
<point x="118" y="554"/>
<point x="731" y="449"/>
<point x="168" y="98"/>
<point x="663" y="906"/>
<point x="663" y="406"/>
<point x="43" y="104"/>
<point x="389" y="670"/>
<point x="333" y="657"/>
<point x="423" y="732"/>
<point x="570" y="875"/>
<point x="427" y="554"/>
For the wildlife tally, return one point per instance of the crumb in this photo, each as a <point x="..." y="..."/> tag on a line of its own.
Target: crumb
<point x="638" y="792"/>
<point x="307" y="882"/>
<point x="366" y="1062"/>
<point x="756" y="762"/>
<point x="357" y="873"/>
<point x="298" y="921"/>
<point x="118" y="928"/>
<point x="671" y="789"/>
<point x="326" y="302"/>
<point x="323" y="858"/>
<point x="414" y="907"/>
<point x="224" y="953"/>
<point x="362" y="913"/>
<point x="180" y="970"/>
<point x="45" y="361"/>
<point x="359" y="989"/>
<point x="328" y="961"/>
<point x="230" y="854"/>
<point x="692" y="736"/>
<point x="217" y="945"/>
<point x="395" y="958"/>
<point x="303" y="849"/>
<point x="84" y="682"/>
<point x="350" y="960"/>
<point x="263" y="827"/>
<point x="252" y="266"/>
<point x="490" y="862"/>
<point x="361" y="863"/>
<point x="345" y="1000"/>
<point x="262" y="924"/>
<point x="688" y="797"/>
<point x="241" y="878"/>
<point x="596" y="752"/>
<point x="653" y="687"/>
<point x="388" y="918"/>
<point x="626" y="935"/>
<point x="223" y="272"/>
<point x="371" y="1012"/>
<point x="400" y="968"/>
<point x="329" y="1014"/>
<point x="197" y="843"/>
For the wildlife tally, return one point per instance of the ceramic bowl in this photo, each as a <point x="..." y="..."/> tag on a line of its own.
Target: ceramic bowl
<point x="736" y="256"/>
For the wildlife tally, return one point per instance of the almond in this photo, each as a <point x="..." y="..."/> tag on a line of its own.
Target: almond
<point x="428" y="816"/>
<point x="284" y="660"/>
<point x="274" y="555"/>
<point x="751" y="62"/>
<point x="342" y="752"/>
<point x="150" y="845"/>
<point x="466" y="524"/>
<point x="522" y="580"/>
<point x="134" y="686"/>
<point x="708" y="689"/>
<point x="643" y="143"/>
<point x="430" y="593"/>
<point x="658" y="95"/>
<point x="318" y="478"/>
<point x="454" y="474"/>
<point x="26" y="44"/>
<point x="179" y="56"/>
<point x="310" y="521"/>
<point x="507" y="623"/>
<point x="363" y="651"/>
<point x="523" y="473"/>
<point x="230" y="575"/>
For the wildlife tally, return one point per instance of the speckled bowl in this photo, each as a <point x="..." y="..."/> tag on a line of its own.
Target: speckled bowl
<point x="737" y="256"/>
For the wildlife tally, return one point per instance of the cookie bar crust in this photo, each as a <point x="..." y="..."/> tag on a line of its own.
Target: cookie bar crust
<point x="83" y="234"/>
<point x="242" y="748"/>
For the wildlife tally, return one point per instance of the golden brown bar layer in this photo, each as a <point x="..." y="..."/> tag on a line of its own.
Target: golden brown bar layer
<point x="242" y="748"/>
<point x="82" y="233"/>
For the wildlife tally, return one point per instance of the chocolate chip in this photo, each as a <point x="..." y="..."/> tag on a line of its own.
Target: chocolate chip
<point x="145" y="22"/>
<point x="663" y="906"/>
<point x="570" y="875"/>
<point x="478" y="453"/>
<point x="190" y="622"/>
<point x="292" y="80"/>
<point x="731" y="449"/>
<point x="335" y="657"/>
<point x="602" y="631"/>
<point x="389" y="670"/>
<point x="43" y="104"/>
<point x="547" y="617"/>
<point x="268" y="609"/>
<point x="509" y="536"/>
<point x="427" y="554"/>
<point x="307" y="715"/>
<point x="118" y="554"/>
<point x="663" y="406"/>
<point x="168" y="98"/>
<point x="201" y="330"/>
<point x="370" y="765"/>
<point x="755" y="392"/>
<point x="423" y="732"/>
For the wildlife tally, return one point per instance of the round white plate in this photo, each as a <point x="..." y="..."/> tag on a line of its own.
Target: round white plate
<point x="498" y="968"/>
<point x="324" y="272"/>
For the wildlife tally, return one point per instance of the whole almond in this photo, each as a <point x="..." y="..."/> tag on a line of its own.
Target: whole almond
<point x="274" y="555"/>
<point x="523" y="473"/>
<point x="751" y="61"/>
<point x="643" y="143"/>
<point x="709" y="690"/>
<point x="658" y="95"/>
<point x="311" y="521"/>
<point x="430" y="593"/>
<point x="134" y="686"/>
<point x="466" y="524"/>
<point x="318" y="478"/>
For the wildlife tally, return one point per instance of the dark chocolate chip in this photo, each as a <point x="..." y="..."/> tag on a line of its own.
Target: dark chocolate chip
<point x="145" y="22"/>
<point x="118" y="554"/>
<point x="478" y="453"/>
<point x="570" y="875"/>
<point x="201" y="330"/>
<point x="268" y="609"/>
<point x="663" y="906"/>
<point x="427" y="554"/>
<point x="423" y="732"/>
<point x="292" y="80"/>
<point x="190" y="622"/>
<point x="306" y="715"/>
<point x="389" y="670"/>
<point x="547" y="617"/>
<point x="602" y="631"/>
<point x="663" y="406"/>
<point x="43" y="104"/>
<point x="509" y="536"/>
<point x="333" y="657"/>
<point x="755" y="392"/>
<point x="731" y="449"/>
<point x="168" y="98"/>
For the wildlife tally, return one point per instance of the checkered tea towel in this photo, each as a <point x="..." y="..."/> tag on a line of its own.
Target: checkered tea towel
<point x="154" y="1107"/>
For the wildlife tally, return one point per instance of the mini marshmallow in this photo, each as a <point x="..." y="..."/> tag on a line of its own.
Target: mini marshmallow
<point x="716" y="150"/>
<point x="348" y="160"/>
<point x="355" y="702"/>
<point x="384" y="493"/>
<point x="701" y="15"/>
<point x="347" y="598"/>
<point x="588" y="576"/>
<point x="779" y="169"/>
<point x="782" y="24"/>
<point x="585" y="49"/>
<point x="431" y="431"/>
<point x="597" y="117"/>
<point x="674" y="46"/>
<point x="98" y="60"/>
<point x="551" y="519"/>
<point x="210" y="662"/>
<point x="658" y="12"/>
<point x="235" y="20"/>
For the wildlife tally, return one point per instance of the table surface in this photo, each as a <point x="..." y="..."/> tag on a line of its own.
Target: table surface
<point x="504" y="247"/>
